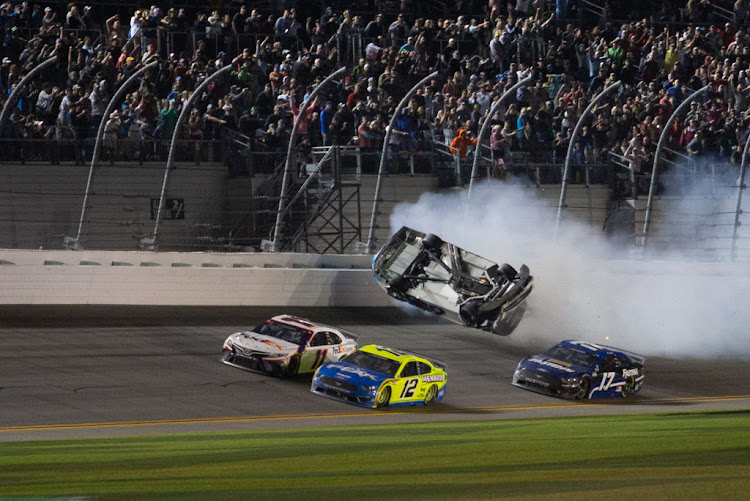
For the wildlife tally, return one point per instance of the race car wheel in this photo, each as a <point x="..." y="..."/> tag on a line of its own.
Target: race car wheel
<point x="508" y="272"/>
<point x="383" y="398"/>
<point x="627" y="388"/>
<point x="432" y="243"/>
<point x="293" y="366"/>
<point x="431" y="394"/>
<point x="506" y="326"/>
<point x="469" y="313"/>
<point x="583" y="391"/>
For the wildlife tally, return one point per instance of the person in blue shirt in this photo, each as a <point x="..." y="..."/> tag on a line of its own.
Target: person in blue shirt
<point x="326" y="116"/>
<point x="675" y="91"/>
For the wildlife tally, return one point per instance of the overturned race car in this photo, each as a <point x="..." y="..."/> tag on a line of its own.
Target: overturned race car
<point x="577" y="370"/>
<point x="439" y="277"/>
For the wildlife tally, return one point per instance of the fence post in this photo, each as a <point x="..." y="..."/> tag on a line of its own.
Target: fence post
<point x="20" y="85"/>
<point x="290" y="148"/>
<point x="485" y="127"/>
<point x="368" y="246"/>
<point x="576" y="131"/>
<point x="150" y="243"/>
<point x="738" y="207"/>
<point x="74" y="243"/>
<point x="657" y="154"/>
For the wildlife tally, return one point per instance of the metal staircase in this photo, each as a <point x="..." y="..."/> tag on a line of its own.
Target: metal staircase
<point x="324" y="215"/>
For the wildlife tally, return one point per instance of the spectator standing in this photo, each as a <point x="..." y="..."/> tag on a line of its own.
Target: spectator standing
<point x="112" y="133"/>
<point x="695" y="150"/>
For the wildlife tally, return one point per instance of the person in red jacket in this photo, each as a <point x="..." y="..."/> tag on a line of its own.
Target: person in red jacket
<point x="460" y="144"/>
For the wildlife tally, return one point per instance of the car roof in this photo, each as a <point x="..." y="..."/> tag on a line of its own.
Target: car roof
<point x="303" y="323"/>
<point x="601" y="349"/>
<point x="583" y="346"/>
<point x="399" y="356"/>
<point x="389" y="353"/>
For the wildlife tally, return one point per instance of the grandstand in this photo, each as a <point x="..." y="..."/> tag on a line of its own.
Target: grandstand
<point x="86" y="148"/>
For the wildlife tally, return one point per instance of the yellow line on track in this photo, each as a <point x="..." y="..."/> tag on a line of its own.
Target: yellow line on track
<point x="390" y="412"/>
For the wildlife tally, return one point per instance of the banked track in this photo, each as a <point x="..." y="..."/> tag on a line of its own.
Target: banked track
<point x="70" y="372"/>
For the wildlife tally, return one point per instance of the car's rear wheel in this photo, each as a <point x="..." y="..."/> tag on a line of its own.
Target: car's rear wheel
<point x="627" y="388"/>
<point x="431" y="394"/>
<point x="583" y="391"/>
<point x="293" y="367"/>
<point x="383" y="398"/>
<point x="508" y="271"/>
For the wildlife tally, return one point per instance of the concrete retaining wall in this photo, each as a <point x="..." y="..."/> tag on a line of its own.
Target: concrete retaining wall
<point x="141" y="278"/>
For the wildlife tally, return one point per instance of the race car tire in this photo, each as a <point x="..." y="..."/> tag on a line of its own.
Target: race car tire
<point x="508" y="272"/>
<point x="583" y="391"/>
<point x="383" y="397"/>
<point x="469" y="313"/>
<point x="430" y="395"/>
<point x="506" y="326"/>
<point x="627" y="388"/>
<point x="432" y="243"/>
<point x="293" y="366"/>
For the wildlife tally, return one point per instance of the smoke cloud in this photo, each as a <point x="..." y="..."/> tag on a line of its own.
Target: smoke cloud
<point x="584" y="289"/>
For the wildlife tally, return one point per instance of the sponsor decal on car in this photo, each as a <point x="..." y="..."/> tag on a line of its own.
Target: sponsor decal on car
<point x="556" y="364"/>
<point x="264" y="341"/>
<point x="435" y="378"/>
<point x="353" y="370"/>
<point x="629" y="372"/>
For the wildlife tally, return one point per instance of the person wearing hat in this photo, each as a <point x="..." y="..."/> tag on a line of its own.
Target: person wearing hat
<point x="112" y="132"/>
<point x="397" y="31"/>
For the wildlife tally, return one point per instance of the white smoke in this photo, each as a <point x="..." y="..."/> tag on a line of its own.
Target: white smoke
<point x="583" y="289"/>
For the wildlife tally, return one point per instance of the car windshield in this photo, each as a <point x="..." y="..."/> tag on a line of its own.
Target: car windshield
<point x="285" y="332"/>
<point x="373" y="362"/>
<point x="573" y="356"/>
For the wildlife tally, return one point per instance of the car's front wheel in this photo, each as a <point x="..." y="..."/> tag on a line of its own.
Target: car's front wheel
<point x="507" y="325"/>
<point x="431" y="394"/>
<point x="383" y="398"/>
<point x="583" y="390"/>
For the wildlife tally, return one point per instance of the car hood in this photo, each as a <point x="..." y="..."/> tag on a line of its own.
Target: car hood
<point x="552" y="366"/>
<point x="352" y="373"/>
<point x="261" y="344"/>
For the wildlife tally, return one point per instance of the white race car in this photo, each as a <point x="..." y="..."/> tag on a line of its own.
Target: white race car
<point x="444" y="279"/>
<point x="286" y="345"/>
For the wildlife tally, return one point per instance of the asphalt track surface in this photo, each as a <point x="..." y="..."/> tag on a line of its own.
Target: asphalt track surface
<point x="72" y="372"/>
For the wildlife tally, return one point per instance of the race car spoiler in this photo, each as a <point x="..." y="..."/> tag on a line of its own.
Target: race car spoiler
<point x="520" y="291"/>
<point x="639" y="359"/>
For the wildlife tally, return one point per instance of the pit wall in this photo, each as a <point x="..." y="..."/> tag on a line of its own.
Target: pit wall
<point x="199" y="279"/>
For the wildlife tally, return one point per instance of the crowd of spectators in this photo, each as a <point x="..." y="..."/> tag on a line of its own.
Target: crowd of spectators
<point x="279" y="55"/>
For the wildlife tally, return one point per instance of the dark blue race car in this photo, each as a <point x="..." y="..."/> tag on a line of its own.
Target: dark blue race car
<point x="576" y="370"/>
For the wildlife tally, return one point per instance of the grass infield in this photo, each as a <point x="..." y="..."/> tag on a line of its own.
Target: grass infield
<point x="655" y="456"/>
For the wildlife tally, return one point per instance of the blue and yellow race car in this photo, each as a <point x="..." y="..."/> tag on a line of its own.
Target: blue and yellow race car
<point x="577" y="370"/>
<point x="375" y="376"/>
